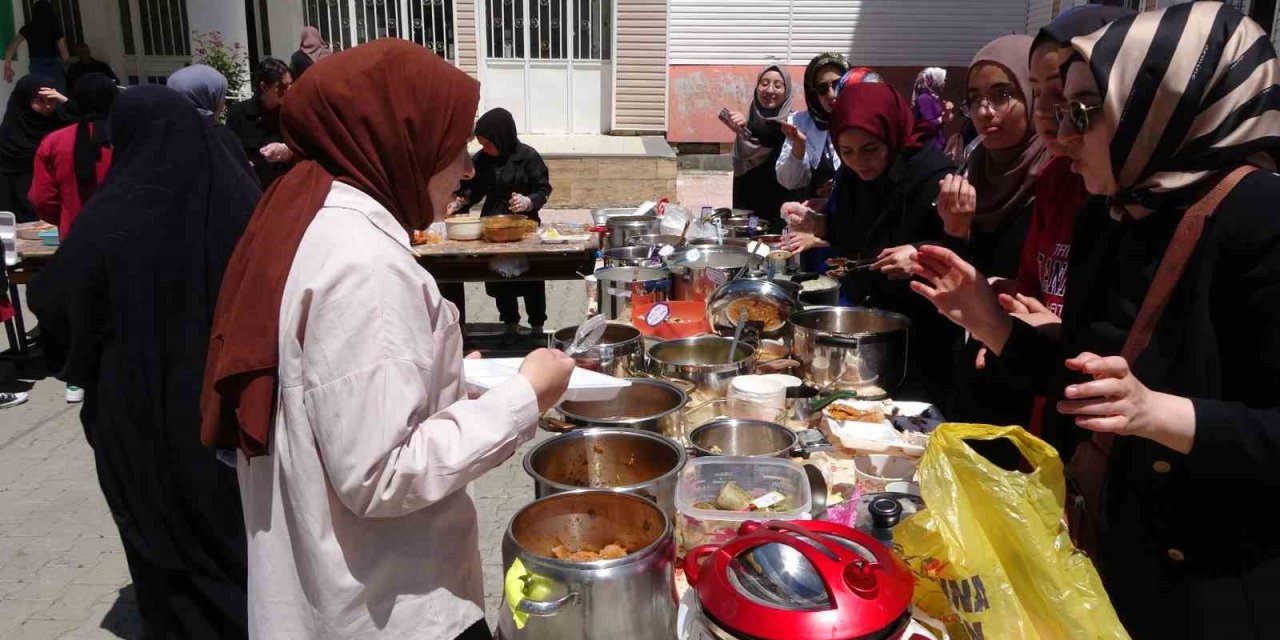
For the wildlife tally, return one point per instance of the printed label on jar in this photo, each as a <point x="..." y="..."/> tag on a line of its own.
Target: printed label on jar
<point x="658" y="314"/>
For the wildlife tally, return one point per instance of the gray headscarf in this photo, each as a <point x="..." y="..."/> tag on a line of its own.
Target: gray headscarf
<point x="202" y="86"/>
<point x="764" y="128"/>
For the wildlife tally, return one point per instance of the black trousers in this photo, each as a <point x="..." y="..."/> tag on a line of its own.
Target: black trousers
<point x="477" y="631"/>
<point x="505" y="294"/>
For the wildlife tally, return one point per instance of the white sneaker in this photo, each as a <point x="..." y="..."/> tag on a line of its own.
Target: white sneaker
<point x="12" y="399"/>
<point x="74" y="394"/>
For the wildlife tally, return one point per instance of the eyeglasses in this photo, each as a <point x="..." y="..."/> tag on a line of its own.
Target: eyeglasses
<point x="1075" y="112"/>
<point x="998" y="101"/>
<point x="824" y="87"/>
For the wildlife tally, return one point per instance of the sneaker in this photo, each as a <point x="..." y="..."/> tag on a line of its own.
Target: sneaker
<point x="12" y="399"/>
<point x="75" y="394"/>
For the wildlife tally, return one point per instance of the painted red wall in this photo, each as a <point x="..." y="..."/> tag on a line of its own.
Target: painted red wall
<point x="697" y="93"/>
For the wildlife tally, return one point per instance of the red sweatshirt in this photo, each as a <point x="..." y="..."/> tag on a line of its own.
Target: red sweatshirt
<point x="54" y="194"/>
<point x="1042" y="273"/>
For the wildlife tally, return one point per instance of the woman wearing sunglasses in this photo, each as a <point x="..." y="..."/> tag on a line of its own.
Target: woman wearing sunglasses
<point x="1192" y="421"/>
<point x="808" y="160"/>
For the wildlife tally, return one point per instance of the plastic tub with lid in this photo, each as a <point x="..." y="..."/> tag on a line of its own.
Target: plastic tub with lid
<point x="703" y="478"/>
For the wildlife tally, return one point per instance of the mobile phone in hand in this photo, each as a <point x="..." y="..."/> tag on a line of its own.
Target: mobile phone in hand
<point x="725" y="117"/>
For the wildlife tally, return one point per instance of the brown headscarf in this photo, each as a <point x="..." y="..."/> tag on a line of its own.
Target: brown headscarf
<point x="1005" y="179"/>
<point x="313" y="44"/>
<point x="387" y="147"/>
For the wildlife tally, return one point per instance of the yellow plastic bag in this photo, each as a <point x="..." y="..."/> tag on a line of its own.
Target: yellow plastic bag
<point x="991" y="553"/>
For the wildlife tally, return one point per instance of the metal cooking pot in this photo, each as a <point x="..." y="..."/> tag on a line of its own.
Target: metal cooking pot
<point x="782" y="261"/>
<point x="650" y="405"/>
<point x="822" y="291"/>
<point x="656" y="240"/>
<point x="623" y="228"/>
<point x="629" y="597"/>
<point x="619" y="289"/>
<point x="620" y="352"/>
<point x="636" y="256"/>
<point x="699" y="270"/>
<point x="751" y="438"/>
<point x="623" y="460"/>
<point x="853" y="348"/>
<point x="719" y="242"/>
<point x="701" y="360"/>
<point x="769" y="306"/>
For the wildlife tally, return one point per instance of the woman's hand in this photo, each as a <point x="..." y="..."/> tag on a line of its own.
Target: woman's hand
<point x="276" y="152"/>
<point x="798" y="242"/>
<point x="1030" y="311"/>
<point x="798" y="216"/>
<point x="8" y="72"/>
<point x="737" y="123"/>
<point x="455" y="206"/>
<point x="957" y="205"/>
<point x="519" y="203"/>
<point x="1115" y="401"/>
<point x="896" y="262"/>
<point x="797" y="138"/>
<point x="48" y="93"/>
<point x="547" y="371"/>
<point x="962" y="294"/>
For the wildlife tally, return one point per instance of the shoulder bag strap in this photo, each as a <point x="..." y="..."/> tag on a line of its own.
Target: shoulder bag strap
<point x="1172" y="265"/>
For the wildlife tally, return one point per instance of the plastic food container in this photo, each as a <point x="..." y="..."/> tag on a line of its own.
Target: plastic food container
<point x="702" y="480"/>
<point x="463" y="227"/>
<point x="756" y="397"/>
<point x="874" y="473"/>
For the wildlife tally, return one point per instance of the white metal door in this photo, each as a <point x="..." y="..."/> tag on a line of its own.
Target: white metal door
<point x="156" y="39"/>
<point x="346" y="23"/>
<point x="548" y="62"/>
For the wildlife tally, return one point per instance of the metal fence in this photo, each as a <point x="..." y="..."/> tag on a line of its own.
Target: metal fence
<point x="346" y="23"/>
<point x="549" y="29"/>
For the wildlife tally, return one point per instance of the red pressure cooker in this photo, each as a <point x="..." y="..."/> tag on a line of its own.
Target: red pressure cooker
<point x="801" y="580"/>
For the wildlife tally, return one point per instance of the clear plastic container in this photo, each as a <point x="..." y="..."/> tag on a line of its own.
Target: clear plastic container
<point x="756" y="397"/>
<point x="702" y="480"/>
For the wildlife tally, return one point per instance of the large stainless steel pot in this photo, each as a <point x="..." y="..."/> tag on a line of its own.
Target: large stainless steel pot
<point x="699" y="270"/>
<point x="630" y="597"/>
<point x="619" y="289"/>
<point x="701" y="360"/>
<point x="624" y="460"/>
<point x="651" y="405"/>
<point x="620" y="352"/>
<point x="623" y="228"/>
<point x="634" y="256"/>
<point x="854" y="348"/>
<point x="719" y="242"/>
<point x="740" y="437"/>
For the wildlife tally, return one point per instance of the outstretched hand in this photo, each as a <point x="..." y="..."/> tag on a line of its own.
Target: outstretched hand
<point x="962" y="294"/>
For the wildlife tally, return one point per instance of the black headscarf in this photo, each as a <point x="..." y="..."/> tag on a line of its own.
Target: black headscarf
<point x="811" y="100"/>
<point x="1079" y="21"/>
<point x="497" y="126"/>
<point x="22" y="128"/>
<point x="129" y="298"/>
<point x="91" y="99"/>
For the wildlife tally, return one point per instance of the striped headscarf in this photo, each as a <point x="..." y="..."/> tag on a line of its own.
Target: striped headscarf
<point x="1192" y="92"/>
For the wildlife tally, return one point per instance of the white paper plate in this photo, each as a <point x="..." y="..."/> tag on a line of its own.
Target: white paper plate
<point x="584" y="385"/>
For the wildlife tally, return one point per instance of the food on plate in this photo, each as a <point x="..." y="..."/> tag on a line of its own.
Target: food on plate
<point x="852" y="413"/>
<point x="607" y="552"/>
<point x="758" y="310"/>
<point x="426" y="237"/>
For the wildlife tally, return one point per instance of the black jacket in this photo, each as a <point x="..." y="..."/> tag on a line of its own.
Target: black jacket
<point x="1189" y="547"/>
<point x="522" y="172"/>
<point x="897" y="209"/>
<point x="254" y="132"/>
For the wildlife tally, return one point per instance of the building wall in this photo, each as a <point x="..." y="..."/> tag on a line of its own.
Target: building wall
<point x="464" y="20"/>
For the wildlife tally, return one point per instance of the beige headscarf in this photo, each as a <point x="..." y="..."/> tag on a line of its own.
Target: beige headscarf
<point x="1005" y="179"/>
<point x="1192" y="91"/>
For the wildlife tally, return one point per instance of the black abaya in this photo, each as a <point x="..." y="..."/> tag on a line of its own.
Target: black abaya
<point x="130" y="296"/>
<point x="21" y="132"/>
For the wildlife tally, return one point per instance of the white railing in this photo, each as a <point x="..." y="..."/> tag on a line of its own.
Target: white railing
<point x="553" y="29"/>
<point x="346" y="23"/>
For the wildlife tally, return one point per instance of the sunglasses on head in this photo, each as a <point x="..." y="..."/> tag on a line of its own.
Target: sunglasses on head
<point x="1075" y="112"/>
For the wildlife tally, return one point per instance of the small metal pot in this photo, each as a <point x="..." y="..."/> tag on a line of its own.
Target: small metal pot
<point x="701" y="360"/>
<point x="620" y="352"/>
<point x="851" y="348"/>
<point x="619" y="289"/>
<point x="624" y="460"/>
<point x="750" y="438"/>
<point x="630" y="597"/>
<point x="623" y="228"/>
<point x="636" y="256"/>
<point x="697" y="271"/>
<point x="822" y="291"/>
<point x="650" y="405"/>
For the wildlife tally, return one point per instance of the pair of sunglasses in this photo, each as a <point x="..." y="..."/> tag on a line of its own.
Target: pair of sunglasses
<point x="1075" y="112"/>
<point x="824" y="87"/>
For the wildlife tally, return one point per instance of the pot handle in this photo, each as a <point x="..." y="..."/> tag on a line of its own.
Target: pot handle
<point x="693" y="562"/>
<point x="547" y="607"/>
<point x="836" y="341"/>
<point x="684" y="385"/>
<point x="555" y="425"/>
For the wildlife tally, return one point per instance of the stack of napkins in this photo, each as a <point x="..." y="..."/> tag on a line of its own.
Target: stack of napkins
<point x="483" y="374"/>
